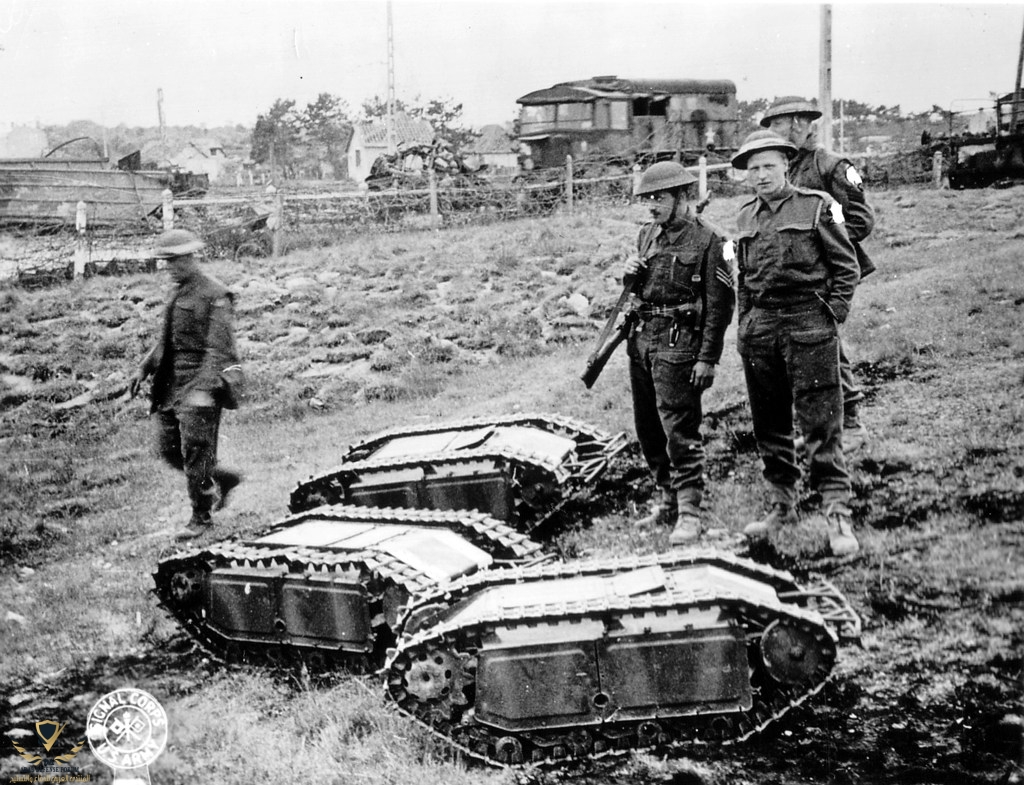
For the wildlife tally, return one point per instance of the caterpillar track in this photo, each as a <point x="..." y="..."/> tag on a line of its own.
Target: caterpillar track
<point x="327" y="586"/>
<point x="517" y="468"/>
<point x="559" y="662"/>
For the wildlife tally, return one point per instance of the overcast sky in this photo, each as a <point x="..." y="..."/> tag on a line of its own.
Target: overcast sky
<point x="221" y="61"/>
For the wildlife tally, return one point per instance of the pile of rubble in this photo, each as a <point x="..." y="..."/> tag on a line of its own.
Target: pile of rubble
<point x="411" y="163"/>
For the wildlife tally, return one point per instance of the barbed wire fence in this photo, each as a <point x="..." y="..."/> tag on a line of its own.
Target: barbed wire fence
<point x="260" y="223"/>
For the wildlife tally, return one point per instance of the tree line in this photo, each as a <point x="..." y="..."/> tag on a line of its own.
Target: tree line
<point x="854" y="111"/>
<point x="312" y="141"/>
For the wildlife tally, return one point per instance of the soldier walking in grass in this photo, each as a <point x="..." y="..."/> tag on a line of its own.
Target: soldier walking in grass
<point x="797" y="274"/>
<point x="815" y="168"/>
<point x="686" y="299"/>
<point x="193" y="365"/>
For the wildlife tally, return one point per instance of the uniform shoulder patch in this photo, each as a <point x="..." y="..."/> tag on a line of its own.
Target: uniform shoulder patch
<point x="728" y="250"/>
<point x="836" y="210"/>
<point x="853" y="176"/>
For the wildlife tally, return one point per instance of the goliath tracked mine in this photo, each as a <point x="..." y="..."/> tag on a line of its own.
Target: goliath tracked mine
<point x="520" y="468"/>
<point x="579" y="660"/>
<point x="327" y="585"/>
<point x="428" y="571"/>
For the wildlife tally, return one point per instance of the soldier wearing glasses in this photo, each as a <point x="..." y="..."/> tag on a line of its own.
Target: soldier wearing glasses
<point x="686" y="299"/>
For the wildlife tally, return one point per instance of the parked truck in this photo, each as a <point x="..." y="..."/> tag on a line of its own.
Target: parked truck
<point x="978" y="161"/>
<point x="627" y="121"/>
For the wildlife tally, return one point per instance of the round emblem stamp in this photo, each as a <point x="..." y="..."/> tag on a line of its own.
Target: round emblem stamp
<point x="127" y="728"/>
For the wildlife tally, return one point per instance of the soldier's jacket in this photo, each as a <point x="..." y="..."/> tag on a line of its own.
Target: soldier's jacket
<point x="687" y="264"/>
<point x="817" y="169"/>
<point x="794" y="250"/>
<point x="195" y="344"/>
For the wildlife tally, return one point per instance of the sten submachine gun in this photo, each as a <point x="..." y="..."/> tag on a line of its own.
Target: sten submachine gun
<point x="605" y="347"/>
<point x="607" y="343"/>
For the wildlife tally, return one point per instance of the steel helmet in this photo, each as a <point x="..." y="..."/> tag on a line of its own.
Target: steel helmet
<point x="663" y="176"/>
<point x="758" y="142"/>
<point x="790" y="105"/>
<point x="176" y="242"/>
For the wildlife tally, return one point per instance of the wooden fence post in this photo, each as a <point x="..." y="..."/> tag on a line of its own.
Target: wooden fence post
<point x="432" y="186"/>
<point x="168" y="209"/>
<point x="637" y="172"/>
<point x="702" y="178"/>
<point x="81" y="244"/>
<point x="568" y="183"/>
<point x="937" y="169"/>
<point x="276" y="221"/>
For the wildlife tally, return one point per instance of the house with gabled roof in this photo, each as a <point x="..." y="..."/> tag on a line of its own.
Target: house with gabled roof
<point x="370" y="140"/>
<point x="202" y="156"/>
<point x="495" y="147"/>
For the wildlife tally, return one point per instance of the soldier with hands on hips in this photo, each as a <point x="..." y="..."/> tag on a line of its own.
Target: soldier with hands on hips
<point x="686" y="299"/>
<point x="797" y="274"/>
<point x="192" y="365"/>
<point x="815" y="168"/>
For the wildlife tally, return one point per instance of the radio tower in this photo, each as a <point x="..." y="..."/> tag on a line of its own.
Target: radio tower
<point x="390" y="121"/>
<point x="160" y="115"/>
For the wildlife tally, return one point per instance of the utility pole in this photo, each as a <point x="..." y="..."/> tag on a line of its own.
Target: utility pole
<point x="160" y="115"/>
<point x="825" y="78"/>
<point x="842" y="127"/>
<point x="1016" y="90"/>
<point x="390" y="121"/>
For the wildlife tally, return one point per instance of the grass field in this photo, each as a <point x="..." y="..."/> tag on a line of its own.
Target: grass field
<point x="418" y="326"/>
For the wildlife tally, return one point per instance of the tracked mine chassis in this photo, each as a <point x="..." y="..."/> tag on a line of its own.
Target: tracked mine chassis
<point x="327" y="586"/>
<point x="580" y="660"/>
<point x="520" y="469"/>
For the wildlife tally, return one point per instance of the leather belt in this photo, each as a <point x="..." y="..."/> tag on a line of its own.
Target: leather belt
<point x="773" y="304"/>
<point x="651" y="311"/>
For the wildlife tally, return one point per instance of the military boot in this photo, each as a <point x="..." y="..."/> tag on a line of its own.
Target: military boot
<point x="688" y="526"/>
<point x="663" y="512"/>
<point x="841" y="539"/>
<point x="200" y="524"/>
<point x="226" y="482"/>
<point x="781" y="514"/>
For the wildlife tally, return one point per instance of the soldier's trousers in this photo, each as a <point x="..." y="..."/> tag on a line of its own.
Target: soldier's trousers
<point x="187" y="440"/>
<point x="791" y="361"/>
<point x="666" y="407"/>
<point x="852" y="393"/>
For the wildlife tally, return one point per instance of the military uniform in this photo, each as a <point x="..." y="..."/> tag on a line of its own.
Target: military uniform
<point x="195" y="345"/>
<point x="686" y="302"/>
<point x="797" y="274"/>
<point x="817" y="169"/>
